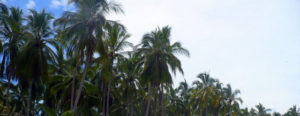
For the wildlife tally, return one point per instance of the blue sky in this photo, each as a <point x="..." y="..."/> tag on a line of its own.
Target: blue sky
<point x="252" y="44"/>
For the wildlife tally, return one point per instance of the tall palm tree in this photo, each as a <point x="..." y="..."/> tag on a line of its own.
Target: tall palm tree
<point x="158" y="55"/>
<point x="232" y="99"/>
<point x="11" y="30"/>
<point x="84" y="29"/>
<point x="129" y="71"/>
<point x="36" y="54"/>
<point x="115" y="40"/>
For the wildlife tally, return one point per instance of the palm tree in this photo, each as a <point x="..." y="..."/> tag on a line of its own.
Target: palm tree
<point x="185" y="94"/>
<point x="232" y="101"/>
<point x="158" y="55"/>
<point x="115" y="41"/>
<point x="84" y="29"/>
<point x="129" y="71"/>
<point x="203" y="91"/>
<point x="293" y="111"/>
<point x="244" y="112"/>
<point x="36" y="54"/>
<point x="261" y="110"/>
<point x="11" y="30"/>
<point x="218" y="99"/>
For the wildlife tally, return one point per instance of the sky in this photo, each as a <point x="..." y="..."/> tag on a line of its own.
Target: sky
<point x="254" y="45"/>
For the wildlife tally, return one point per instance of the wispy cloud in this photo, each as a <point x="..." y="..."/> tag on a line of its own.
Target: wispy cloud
<point x="61" y="3"/>
<point x="30" y="4"/>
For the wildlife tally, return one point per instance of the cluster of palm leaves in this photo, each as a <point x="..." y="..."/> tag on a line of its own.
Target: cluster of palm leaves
<point x="80" y="66"/>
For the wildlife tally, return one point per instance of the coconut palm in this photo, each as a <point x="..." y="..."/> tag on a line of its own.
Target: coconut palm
<point x="84" y="29"/>
<point x="261" y="110"/>
<point x="232" y="99"/>
<point x="293" y="111"/>
<point x="11" y="30"/>
<point x="36" y="54"/>
<point x="185" y="93"/>
<point x="203" y="92"/>
<point x="158" y="55"/>
<point x="115" y="40"/>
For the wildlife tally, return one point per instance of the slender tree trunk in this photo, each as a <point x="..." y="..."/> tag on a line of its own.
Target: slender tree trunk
<point x="73" y="86"/>
<point x="109" y="83"/>
<point x="162" y="101"/>
<point x="81" y="85"/>
<point x="104" y="99"/>
<point x="29" y="98"/>
<point x="229" y="114"/>
<point x="107" y="97"/>
<point x="128" y="105"/>
<point x="200" y="114"/>
<point x="7" y="96"/>
<point x="131" y="108"/>
<point x="149" y="100"/>
<point x="156" y="104"/>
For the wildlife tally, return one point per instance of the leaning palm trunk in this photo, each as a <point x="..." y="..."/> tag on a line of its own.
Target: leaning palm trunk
<point x="149" y="100"/>
<point x="81" y="84"/>
<point x="73" y="86"/>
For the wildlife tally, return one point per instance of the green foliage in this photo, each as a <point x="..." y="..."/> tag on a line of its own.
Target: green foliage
<point x="84" y="65"/>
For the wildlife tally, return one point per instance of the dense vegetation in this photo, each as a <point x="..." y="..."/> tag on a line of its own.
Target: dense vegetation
<point x="78" y="65"/>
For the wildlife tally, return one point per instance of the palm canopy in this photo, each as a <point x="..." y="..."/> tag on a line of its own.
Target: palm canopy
<point x="114" y="41"/>
<point x="204" y="90"/>
<point x="159" y="56"/>
<point x="11" y="31"/>
<point x="84" y="28"/>
<point x="261" y="110"/>
<point x="37" y="53"/>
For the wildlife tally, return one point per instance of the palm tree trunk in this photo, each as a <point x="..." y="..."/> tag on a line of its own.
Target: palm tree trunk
<point x="104" y="99"/>
<point x="128" y="105"/>
<point x="162" y="100"/>
<point x="109" y="83"/>
<point x="156" y="107"/>
<point x="107" y="97"/>
<point x="200" y="114"/>
<point x="29" y="98"/>
<point x="73" y="86"/>
<point x="81" y="85"/>
<point x="131" y="108"/>
<point x="7" y="96"/>
<point x="149" y="100"/>
<point x="229" y="111"/>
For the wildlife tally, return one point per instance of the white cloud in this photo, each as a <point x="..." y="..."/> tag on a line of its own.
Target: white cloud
<point x="30" y="4"/>
<point x="61" y="3"/>
<point x="2" y="1"/>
